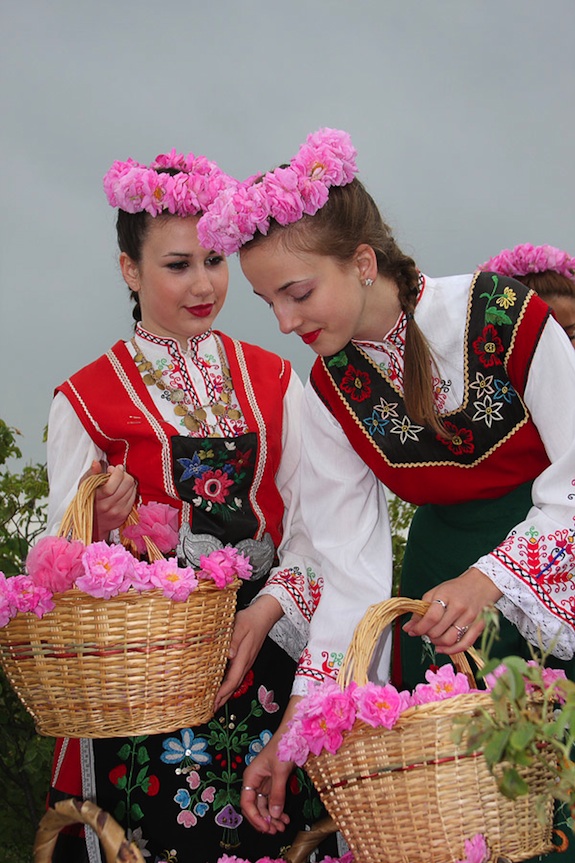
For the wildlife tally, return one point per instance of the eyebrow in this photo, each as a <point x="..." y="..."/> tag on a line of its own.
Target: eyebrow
<point x="177" y="255"/>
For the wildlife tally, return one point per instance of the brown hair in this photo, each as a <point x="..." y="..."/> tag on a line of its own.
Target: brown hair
<point x="548" y="284"/>
<point x="131" y="231"/>
<point x="348" y="219"/>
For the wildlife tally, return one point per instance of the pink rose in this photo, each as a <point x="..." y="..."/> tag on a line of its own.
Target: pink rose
<point x="284" y="200"/>
<point x="159" y="522"/>
<point x="55" y="562"/>
<point x="25" y="596"/>
<point x="377" y="705"/>
<point x="175" y="582"/>
<point x="108" y="570"/>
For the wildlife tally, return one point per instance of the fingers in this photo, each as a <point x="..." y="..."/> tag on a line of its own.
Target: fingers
<point x="113" y="501"/>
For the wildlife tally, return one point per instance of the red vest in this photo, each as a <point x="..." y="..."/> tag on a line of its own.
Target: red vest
<point x="117" y="411"/>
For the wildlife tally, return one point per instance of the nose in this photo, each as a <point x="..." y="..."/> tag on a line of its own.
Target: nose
<point x="200" y="283"/>
<point x="288" y="319"/>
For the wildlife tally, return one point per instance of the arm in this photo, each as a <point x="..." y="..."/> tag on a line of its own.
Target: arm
<point x="529" y="576"/>
<point x="72" y="455"/>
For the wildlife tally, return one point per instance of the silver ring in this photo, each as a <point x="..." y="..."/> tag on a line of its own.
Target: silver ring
<point x="441" y="602"/>
<point x="248" y="788"/>
<point x="263" y="795"/>
<point x="461" y="631"/>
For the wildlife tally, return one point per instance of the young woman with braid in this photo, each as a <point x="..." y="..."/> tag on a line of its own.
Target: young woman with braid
<point x="443" y="390"/>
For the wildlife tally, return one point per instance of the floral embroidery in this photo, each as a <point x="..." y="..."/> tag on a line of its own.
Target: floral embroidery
<point x="216" y="475"/>
<point x="504" y="391"/>
<point x="386" y="409"/>
<point x="213" y="486"/>
<point x="406" y="429"/>
<point x="331" y="662"/>
<point x="497" y="302"/>
<point x="376" y="424"/>
<point x="488" y="346"/>
<point x="132" y="777"/>
<point x="356" y="383"/>
<point x="482" y="384"/>
<point x="487" y="410"/>
<point x="462" y="440"/>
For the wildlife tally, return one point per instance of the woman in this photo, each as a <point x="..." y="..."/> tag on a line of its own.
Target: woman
<point x="444" y="391"/>
<point x="184" y="415"/>
<point x="547" y="270"/>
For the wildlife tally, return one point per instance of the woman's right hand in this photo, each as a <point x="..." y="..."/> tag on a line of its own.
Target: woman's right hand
<point x="113" y="500"/>
<point x="264" y="782"/>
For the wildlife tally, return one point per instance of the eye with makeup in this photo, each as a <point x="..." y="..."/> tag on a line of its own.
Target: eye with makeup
<point x="214" y="260"/>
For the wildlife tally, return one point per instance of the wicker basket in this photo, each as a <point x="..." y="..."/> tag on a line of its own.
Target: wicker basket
<point x="411" y="794"/>
<point x="133" y="664"/>
<point x="66" y="812"/>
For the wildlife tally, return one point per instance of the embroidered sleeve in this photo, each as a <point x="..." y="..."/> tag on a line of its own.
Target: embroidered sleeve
<point x="535" y="565"/>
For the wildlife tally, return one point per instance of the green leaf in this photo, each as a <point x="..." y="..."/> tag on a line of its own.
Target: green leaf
<point x="522" y="735"/>
<point x="339" y="360"/>
<point x="142" y="776"/>
<point x="120" y="810"/>
<point x="497" y="316"/>
<point x="142" y="755"/>
<point x="125" y="752"/>
<point x="136" y="813"/>
<point x="496" y="745"/>
<point x="513" y="785"/>
<point x="122" y="782"/>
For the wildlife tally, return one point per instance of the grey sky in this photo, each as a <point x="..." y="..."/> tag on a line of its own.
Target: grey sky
<point x="462" y="112"/>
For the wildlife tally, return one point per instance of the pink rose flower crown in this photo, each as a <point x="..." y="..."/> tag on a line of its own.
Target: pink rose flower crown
<point x="239" y="211"/>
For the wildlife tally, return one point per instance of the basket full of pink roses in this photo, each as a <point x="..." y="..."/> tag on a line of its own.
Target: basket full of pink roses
<point x="100" y="640"/>
<point x="398" y="780"/>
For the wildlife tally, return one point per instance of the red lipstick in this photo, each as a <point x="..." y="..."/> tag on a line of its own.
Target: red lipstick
<point x="308" y="338"/>
<point x="200" y="311"/>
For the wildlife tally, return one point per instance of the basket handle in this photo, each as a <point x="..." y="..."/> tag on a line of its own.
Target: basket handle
<point x="71" y="811"/>
<point x="307" y="841"/>
<point x="78" y="520"/>
<point x="359" y="654"/>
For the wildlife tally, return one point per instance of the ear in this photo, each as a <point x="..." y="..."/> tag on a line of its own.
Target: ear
<point x="130" y="272"/>
<point x="366" y="262"/>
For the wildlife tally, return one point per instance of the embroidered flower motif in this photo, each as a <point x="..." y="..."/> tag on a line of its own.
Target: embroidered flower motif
<point x="256" y="746"/>
<point x="193" y="467"/>
<point x="462" y="441"/>
<point x="356" y="383"/>
<point x="213" y="486"/>
<point x="375" y="424"/>
<point x="488" y="346"/>
<point x="406" y="429"/>
<point x="504" y="391"/>
<point x="488" y="411"/>
<point x="245" y="684"/>
<point x="507" y="298"/>
<point x="386" y="409"/>
<point x="187" y="818"/>
<point x="136" y="837"/>
<point x="266" y="699"/>
<point x="188" y="749"/>
<point x="482" y="384"/>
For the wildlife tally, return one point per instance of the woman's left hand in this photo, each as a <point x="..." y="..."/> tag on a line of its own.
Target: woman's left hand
<point x="453" y="621"/>
<point x="250" y="629"/>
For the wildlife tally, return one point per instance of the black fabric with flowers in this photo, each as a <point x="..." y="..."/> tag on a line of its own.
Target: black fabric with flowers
<point x="215" y="475"/>
<point x="491" y="409"/>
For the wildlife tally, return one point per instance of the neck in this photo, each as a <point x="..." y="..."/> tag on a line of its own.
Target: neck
<point x="382" y="309"/>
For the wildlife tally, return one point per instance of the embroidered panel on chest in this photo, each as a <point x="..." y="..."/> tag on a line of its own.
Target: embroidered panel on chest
<point x="491" y="409"/>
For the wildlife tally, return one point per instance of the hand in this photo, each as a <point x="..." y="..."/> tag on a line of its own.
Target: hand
<point x="113" y="501"/>
<point x="264" y="783"/>
<point x="454" y="623"/>
<point x="250" y="629"/>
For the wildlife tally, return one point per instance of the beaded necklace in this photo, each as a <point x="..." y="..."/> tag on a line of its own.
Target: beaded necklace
<point x="194" y="418"/>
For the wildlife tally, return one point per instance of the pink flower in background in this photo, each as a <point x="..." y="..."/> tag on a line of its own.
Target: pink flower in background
<point x="476" y="850"/>
<point x="443" y="683"/>
<point x="159" y="522"/>
<point x="25" y="596"/>
<point x="7" y="607"/>
<point x="525" y="258"/>
<point x="223" y="565"/>
<point x="325" y="715"/>
<point x="491" y="679"/>
<point x="141" y="576"/>
<point x="292" y="745"/>
<point x="108" y="570"/>
<point x="377" y="705"/>
<point x="55" y="562"/>
<point x="175" y="582"/>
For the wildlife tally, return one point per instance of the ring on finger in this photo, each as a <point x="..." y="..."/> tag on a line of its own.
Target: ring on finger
<point x="248" y="788"/>
<point x="259" y="794"/>
<point x="461" y="631"/>
<point x="441" y="602"/>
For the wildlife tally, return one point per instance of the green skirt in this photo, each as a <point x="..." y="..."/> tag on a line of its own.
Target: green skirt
<point x="443" y="542"/>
